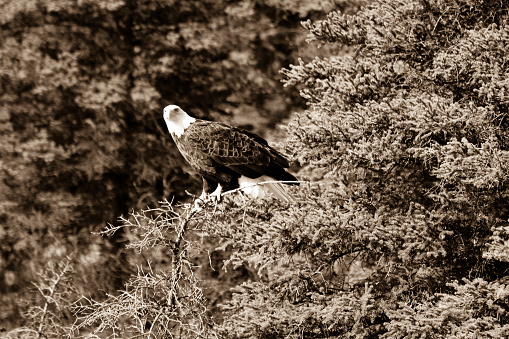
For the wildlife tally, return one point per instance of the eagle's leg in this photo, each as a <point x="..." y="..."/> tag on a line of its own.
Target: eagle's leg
<point x="205" y="195"/>
<point x="206" y="189"/>
<point x="216" y="195"/>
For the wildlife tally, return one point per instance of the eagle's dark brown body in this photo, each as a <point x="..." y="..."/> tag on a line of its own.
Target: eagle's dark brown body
<point x="222" y="154"/>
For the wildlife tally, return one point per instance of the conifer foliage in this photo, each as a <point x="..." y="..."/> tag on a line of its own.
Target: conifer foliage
<point x="403" y="230"/>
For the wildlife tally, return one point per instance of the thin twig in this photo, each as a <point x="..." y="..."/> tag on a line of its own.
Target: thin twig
<point x="263" y="183"/>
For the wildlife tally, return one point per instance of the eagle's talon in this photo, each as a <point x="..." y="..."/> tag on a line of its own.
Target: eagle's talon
<point x="198" y="204"/>
<point x="205" y="198"/>
<point x="216" y="195"/>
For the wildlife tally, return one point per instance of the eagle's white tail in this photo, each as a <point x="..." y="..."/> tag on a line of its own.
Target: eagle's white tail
<point x="252" y="188"/>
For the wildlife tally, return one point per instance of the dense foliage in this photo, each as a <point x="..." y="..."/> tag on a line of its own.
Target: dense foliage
<point x="401" y="226"/>
<point x="406" y="143"/>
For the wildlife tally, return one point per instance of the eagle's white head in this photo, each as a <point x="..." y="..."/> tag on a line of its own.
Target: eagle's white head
<point x="177" y="120"/>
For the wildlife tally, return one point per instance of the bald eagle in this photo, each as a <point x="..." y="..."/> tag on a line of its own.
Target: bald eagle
<point x="228" y="157"/>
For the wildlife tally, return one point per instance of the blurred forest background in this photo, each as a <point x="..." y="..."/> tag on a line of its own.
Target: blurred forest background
<point x="396" y="116"/>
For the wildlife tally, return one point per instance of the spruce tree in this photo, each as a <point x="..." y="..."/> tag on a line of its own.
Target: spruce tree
<point x="403" y="228"/>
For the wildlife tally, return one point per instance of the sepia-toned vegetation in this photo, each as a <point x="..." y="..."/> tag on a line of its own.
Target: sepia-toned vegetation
<point x="401" y="225"/>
